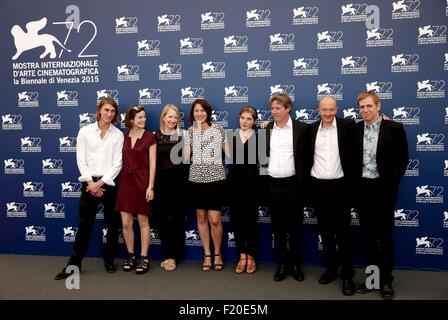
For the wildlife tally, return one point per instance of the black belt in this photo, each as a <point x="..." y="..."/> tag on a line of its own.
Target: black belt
<point x="95" y="179"/>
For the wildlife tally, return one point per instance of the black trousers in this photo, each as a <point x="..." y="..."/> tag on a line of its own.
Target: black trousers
<point x="170" y="212"/>
<point x="88" y="205"/>
<point x="244" y="216"/>
<point x="286" y="210"/>
<point x="333" y="218"/>
<point x="376" y="217"/>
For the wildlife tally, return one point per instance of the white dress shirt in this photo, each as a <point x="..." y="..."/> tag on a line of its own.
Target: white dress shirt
<point x="281" y="159"/>
<point x="98" y="157"/>
<point x="327" y="162"/>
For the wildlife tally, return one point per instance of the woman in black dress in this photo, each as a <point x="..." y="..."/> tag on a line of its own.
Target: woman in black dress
<point x="243" y="181"/>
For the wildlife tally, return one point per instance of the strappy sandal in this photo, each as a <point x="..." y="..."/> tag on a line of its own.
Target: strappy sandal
<point x="251" y="266"/>
<point x="207" y="266"/>
<point x="130" y="263"/>
<point x="143" y="265"/>
<point x="218" y="266"/>
<point x="241" y="266"/>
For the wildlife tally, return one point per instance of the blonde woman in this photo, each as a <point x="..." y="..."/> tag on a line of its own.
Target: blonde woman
<point x="171" y="180"/>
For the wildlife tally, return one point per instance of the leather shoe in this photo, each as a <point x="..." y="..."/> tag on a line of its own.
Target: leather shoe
<point x="387" y="292"/>
<point x="110" y="268"/>
<point x="362" y="289"/>
<point x="64" y="274"/>
<point x="297" y="273"/>
<point x="348" y="287"/>
<point x="280" y="274"/>
<point x="328" y="276"/>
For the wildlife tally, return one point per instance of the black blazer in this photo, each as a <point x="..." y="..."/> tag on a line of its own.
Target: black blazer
<point x="391" y="154"/>
<point x="300" y="137"/>
<point x="343" y="126"/>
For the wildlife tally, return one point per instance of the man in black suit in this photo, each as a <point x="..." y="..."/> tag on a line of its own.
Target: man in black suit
<point x="379" y="156"/>
<point x="328" y="159"/>
<point x="287" y="149"/>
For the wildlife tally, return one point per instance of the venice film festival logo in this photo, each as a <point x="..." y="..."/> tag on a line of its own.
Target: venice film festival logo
<point x="306" y="115"/>
<point x="330" y="40"/>
<point x="168" y="22"/>
<point x="431" y="89"/>
<point x="445" y="63"/>
<point x="16" y="210"/>
<point x="231" y="239"/>
<point x="429" y="245"/>
<point x="53" y="210"/>
<point x="283" y="88"/>
<point x="67" y="144"/>
<point x="100" y="212"/>
<point x="35" y="233"/>
<point x="263" y="215"/>
<point x="329" y="89"/>
<point x="28" y="99"/>
<point x="192" y="238"/>
<point x="50" y="121"/>
<point x="430" y="142"/>
<point x="432" y="34"/>
<point x="235" y="44"/>
<point x="190" y="46"/>
<point x="236" y="94"/>
<point x="86" y="119"/>
<point x="14" y="166"/>
<point x="405" y="62"/>
<point x="281" y="42"/>
<point x="107" y="93"/>
<point x="220" y="118"/>
<point x="305" y="15"/>
<point x="122" y="120"/>
<point x="149" y="96"/>
<point x="309" y="217"/>
<point x="128" y="72"/>
<point x="258" y="18"/>
<point x="33" y="189"/>
<point x="190" y="94"/>
<point x="154" y="235"/>
<point x="212" y="20"/>
<point x="148" y="48"/>
<point x="52" y="166"/>
<point x="353" y="12"/>
<point x="69" y="233"/>
<point x="263" y="115"/>
<point x="413" y="168"/>
<point x="11" y="122"/>
<point x="382" y="88"/>
<point x="406" y="218"/>
<point x="30" y="144"/>
<point x="353" y="65"/>
<point x="126" y="25"/>
<point x="350" y="113"/>
<point x="378" y="37"/>
<point x="406" y="9"/>
<point x="67" y="98"/>
<point x="258" y="68"/>
<point x="213" y="70"/>
<point x="170" y="71"/>
<point x="445" y="219"/>
<point x="445" y="168"/>
<point x="120" y="235"/>
<point x="305" y="67"/>
<point x="354" y="217"/>
<point x="429" y="194"/>
<point x="70" y="189"/>
<point x="406" y="115"/>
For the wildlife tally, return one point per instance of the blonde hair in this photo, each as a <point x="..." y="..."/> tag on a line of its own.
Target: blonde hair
<point x="369" y="94"/>
<point x="165" y="110"/>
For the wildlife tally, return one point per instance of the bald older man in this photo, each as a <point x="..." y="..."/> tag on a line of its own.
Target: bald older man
<point x="329" y="191"/>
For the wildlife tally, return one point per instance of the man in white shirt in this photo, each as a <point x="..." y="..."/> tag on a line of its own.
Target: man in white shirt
<point x="287" y="149"/>
<point x="99" y="160"/>
<point x="328" y="142"/>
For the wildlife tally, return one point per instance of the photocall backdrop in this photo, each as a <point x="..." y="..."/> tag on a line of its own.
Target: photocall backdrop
<point x="58" y="58"/>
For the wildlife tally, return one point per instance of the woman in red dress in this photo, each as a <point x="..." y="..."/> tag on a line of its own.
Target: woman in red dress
<point x="136" y="185"/>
